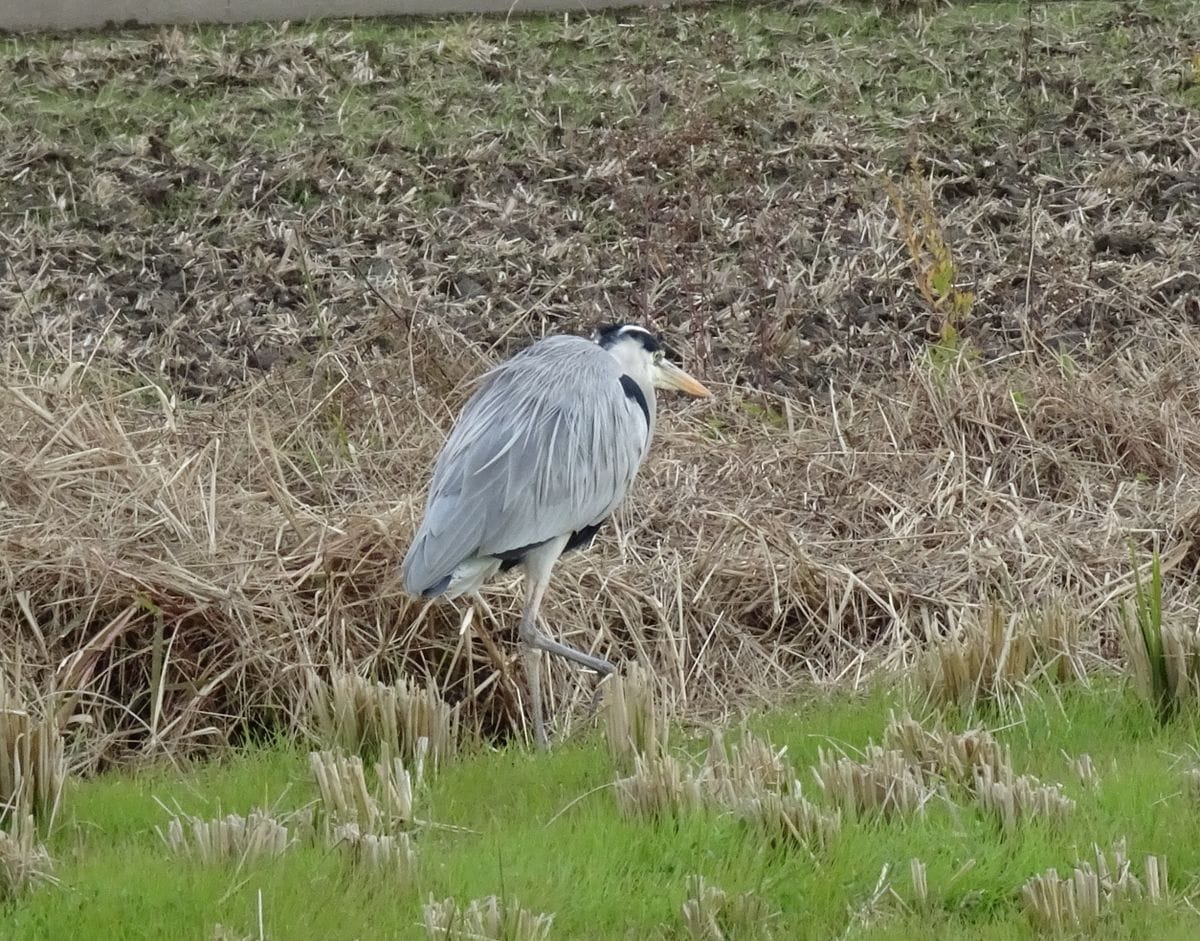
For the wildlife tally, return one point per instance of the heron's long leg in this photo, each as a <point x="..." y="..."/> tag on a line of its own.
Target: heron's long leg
<point x="533" y="670"/>
<point x="538" y="565"/>
<point x="537" y="577"/>
<point x="550" y="645"/>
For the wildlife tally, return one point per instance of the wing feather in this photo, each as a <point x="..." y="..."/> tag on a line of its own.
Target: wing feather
<point x="548" y="446"/>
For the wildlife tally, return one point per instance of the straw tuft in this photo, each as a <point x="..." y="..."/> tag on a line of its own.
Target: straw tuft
<point x="24" y="862"/>
<point x="33" y="765"/>
<point x="1076" y="902"/>
<point x="487" y="919"/>
<point x="883" y="784"/>
<point x="637" y="720"/>
<point x="712" y="914"/>
<point x="258" y="835"/>
<point x="364" y="717"/>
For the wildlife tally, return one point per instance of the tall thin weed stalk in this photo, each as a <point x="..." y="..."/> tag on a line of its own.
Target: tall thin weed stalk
<point x="1162" y="655"/>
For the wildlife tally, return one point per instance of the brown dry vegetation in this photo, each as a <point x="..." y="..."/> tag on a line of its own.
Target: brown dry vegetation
<point x="247" y="276"/>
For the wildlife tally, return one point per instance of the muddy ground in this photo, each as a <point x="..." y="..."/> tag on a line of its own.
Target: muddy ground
<point x="212" y="204"/>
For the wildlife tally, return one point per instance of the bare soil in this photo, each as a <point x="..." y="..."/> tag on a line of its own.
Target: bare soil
<point x="210" y="204"/>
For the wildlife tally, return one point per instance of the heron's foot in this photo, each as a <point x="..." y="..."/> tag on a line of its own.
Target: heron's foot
<point x="534" y="638"/>
<point x="534" y="642"/>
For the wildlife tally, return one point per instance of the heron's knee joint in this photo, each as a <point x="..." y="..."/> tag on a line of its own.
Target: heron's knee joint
<point x="530" y="635"/>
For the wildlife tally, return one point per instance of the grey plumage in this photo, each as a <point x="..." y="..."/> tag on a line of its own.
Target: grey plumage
<point x="542" y="454"/>
<point x="548" y="445"/>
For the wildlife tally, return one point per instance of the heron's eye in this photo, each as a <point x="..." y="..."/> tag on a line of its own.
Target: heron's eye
<point x="658" y="358"/>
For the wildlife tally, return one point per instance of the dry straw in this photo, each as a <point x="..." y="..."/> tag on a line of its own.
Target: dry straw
<point x="1083" y="768"/>
<point x="750" y="779"/>
<point x="730" y="774"/>
<point x="636" y="717"/>
<point x="746" y="767"/>
<point x="791" y="818"/>
<point x="345" y="797"/>
<point x="1015" y="800"/>
<point x="1191" y="779"/>
<point x="974" y="762"/>
<point x="369" y="826"/>
<point x="920" y="882"/>
<point x="993" y="652"/>
<point x="391" y="853"/>
<point x="954" y="756"/>
<point x="660" y="786"/>
<point x="343" y="792"/>
<point x="228" y="550"/>
<point x="32" y="758"/>
<point x="1162" y="652"/>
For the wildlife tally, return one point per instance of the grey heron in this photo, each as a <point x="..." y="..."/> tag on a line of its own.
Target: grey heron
<point x="539" y="458"/>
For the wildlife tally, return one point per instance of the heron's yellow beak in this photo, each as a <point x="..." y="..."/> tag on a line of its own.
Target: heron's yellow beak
<point x="669" y="376"/>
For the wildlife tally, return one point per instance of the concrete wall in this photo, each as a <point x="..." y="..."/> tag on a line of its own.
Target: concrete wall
<point x="82" y="14"/>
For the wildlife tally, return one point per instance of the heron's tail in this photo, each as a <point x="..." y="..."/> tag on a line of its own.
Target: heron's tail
<point x="468" y="575"/>
<point x="419" y="581"/>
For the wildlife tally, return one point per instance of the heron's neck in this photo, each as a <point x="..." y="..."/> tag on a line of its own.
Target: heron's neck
<point x="635" y="364"/>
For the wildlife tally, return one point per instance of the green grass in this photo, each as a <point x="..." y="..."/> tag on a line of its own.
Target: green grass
<point x="545" y="830"/>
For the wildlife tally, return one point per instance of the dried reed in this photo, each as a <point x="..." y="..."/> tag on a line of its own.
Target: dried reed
<point x="393" y="854"/>
<point x="32" y="759"/>
<point x="345" y="798"/>
<point x="1015" y="800"/>
<point x="954" y="756"/>
<point x="664" y="783"/>
<point x="790" y="818"/>
<point x="637" y="721"/>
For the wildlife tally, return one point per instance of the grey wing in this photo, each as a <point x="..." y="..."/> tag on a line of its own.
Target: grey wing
<point x="549" y="445"/>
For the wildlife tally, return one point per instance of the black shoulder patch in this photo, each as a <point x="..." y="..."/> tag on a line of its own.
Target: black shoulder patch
<point x="512" y="557"/>
<point x="582" y="538"/>
<point x="634" y="391"/>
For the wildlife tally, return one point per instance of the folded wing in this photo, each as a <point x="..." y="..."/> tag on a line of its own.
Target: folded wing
<point x="547" y="447"/>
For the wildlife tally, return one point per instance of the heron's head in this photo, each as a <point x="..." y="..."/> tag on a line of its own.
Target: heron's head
<point x="643" y="356"/>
